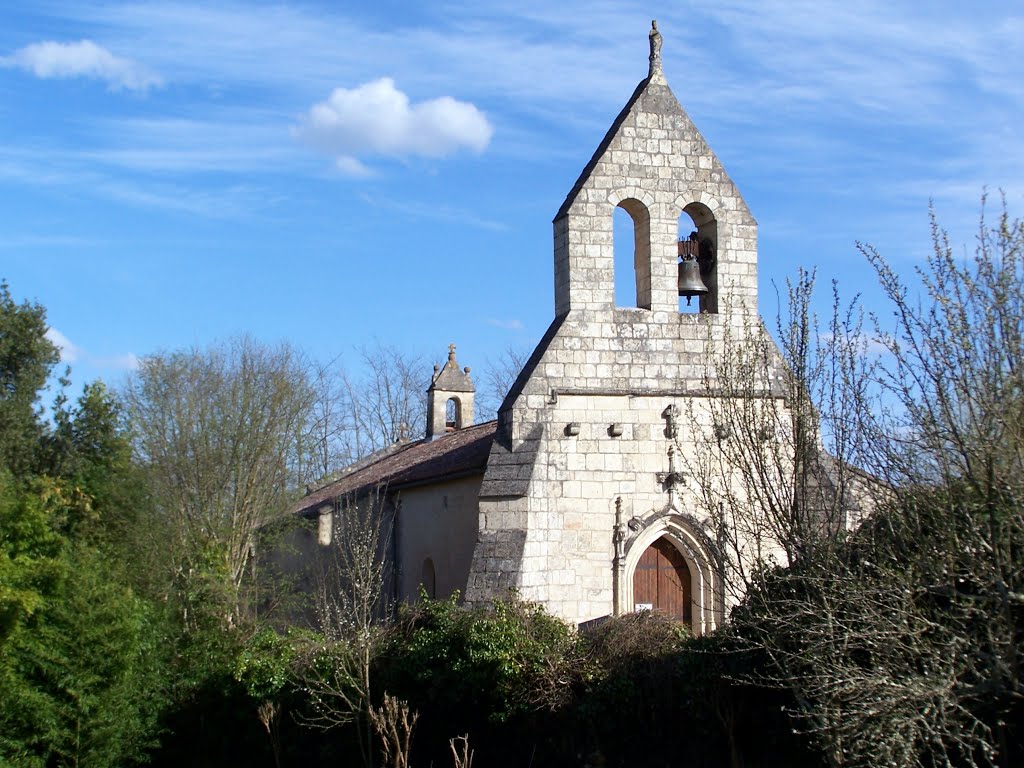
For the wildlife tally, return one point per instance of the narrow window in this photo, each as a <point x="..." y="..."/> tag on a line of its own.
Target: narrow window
<point x="631" y="232"/>
<point x="452" y="414"/>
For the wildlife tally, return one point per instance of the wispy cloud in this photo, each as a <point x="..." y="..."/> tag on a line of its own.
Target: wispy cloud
<point x="351" y="166"/>
<point x="126" y="362"/>
<point x="433" y="211"/>
<point x="45" y="241"/>
<point x="789" y="53"/>
<point x="71" y="353"/>
<point x="297" y="48"/>
<point x="507" y="325"/>
<point x="234" y="202"/>
<point x="247" y="140"/>
<point x="84" y="58"/>
<point x="826" y="93"/>
<point x="378" y="119"/>
<point x="72" y="169"/>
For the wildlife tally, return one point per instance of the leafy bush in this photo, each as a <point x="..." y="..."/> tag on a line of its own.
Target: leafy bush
<point x="488" y="671"/>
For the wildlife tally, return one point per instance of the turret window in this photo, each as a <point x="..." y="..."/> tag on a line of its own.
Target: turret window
<point x="452" y="414"/>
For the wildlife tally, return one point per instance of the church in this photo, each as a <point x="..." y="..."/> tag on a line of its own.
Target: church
<point x="577" y="495"/>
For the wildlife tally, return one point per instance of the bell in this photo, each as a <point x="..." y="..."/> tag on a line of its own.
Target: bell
<point x="690" y="284"/>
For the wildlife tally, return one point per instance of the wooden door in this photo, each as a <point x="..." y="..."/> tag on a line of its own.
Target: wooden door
<point x="662" y="581"/>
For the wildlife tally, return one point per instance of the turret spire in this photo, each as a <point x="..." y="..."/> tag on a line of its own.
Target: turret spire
<point x="449" y="384"/>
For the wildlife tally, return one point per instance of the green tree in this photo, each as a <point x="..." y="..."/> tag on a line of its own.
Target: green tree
<point x="30" y="555"/>
<point x="90" y="449"/>
<point x="78" y="648"/>
<point x="26" y="359"/>
<point x="78" y="651"/>
<point x="219" y="432"/>
<point x="510" y="665"/>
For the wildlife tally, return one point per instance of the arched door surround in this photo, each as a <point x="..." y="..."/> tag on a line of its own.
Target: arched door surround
<point x="684" y="533"/>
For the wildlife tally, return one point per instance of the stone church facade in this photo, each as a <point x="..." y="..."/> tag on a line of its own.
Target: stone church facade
<point x="577" y="495"/>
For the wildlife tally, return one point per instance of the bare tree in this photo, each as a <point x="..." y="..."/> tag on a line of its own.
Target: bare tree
<point x="499" y="375"/>
<point x="358" y="411"/>
<point x="352" y="598"/>
<point x="898" y="639"/>
<point x="771" y="410"/>
<point x="394" y="723"/>
<point x="388" y="402"/>
<point x="328" y="436"/>
<point x="216" y="430"/>
<point x="953" y="443"/>
<point x="462" y="756"/>
<point x="957" y="351"/>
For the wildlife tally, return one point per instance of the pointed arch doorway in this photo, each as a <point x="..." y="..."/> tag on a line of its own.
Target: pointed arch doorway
<point x="661" y="581"/>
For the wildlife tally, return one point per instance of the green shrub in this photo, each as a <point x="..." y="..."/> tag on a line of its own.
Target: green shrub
<point x="488" y="671"/>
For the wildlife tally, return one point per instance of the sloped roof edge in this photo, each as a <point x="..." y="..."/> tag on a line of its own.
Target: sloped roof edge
<point x="457" y="454"/>
<point x="601" y="149"/>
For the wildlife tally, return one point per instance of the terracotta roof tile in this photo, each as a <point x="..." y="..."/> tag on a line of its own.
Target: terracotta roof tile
<point x="458" y="453"/>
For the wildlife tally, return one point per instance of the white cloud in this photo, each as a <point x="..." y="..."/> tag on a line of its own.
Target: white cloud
<point x="247" y="140"/>
<point x="82" y="59"/>
<point x="378" y="119"/>
<point x="350" y="166"/>
<point x="69" y="353"/>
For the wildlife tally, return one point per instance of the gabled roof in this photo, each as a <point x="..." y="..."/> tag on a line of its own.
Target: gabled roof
<point x="456" y="454"/>
<point x="652" y="96"/>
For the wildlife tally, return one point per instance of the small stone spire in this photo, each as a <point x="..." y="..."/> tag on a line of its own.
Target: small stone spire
<point x="655" y="73"/>
<point x="449" y="383"/>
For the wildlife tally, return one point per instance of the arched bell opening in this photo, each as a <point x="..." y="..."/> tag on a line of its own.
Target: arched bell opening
<point x="453" y="414"/>
<point x="698" y="260"/>
<point x="631" y="233"/>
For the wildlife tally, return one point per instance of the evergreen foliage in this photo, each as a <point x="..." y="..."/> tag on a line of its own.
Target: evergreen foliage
<point x="81" y="671"/>
<point x="27" y="357"/>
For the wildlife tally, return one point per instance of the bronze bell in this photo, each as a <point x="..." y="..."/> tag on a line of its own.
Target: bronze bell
<point x="690" y="284"/>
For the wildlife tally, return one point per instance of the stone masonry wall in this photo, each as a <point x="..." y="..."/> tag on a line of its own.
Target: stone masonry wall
<point x="548" y="502"/>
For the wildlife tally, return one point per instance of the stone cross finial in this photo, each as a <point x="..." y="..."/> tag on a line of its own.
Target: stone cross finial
<point x="655" y="40"/>
<point x="451" y="353"/>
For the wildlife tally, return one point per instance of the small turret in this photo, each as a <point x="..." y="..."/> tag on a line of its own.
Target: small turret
<point x="449" y="398"/>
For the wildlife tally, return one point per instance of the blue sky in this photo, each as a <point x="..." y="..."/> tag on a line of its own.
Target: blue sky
<point x="331" y="174"/>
